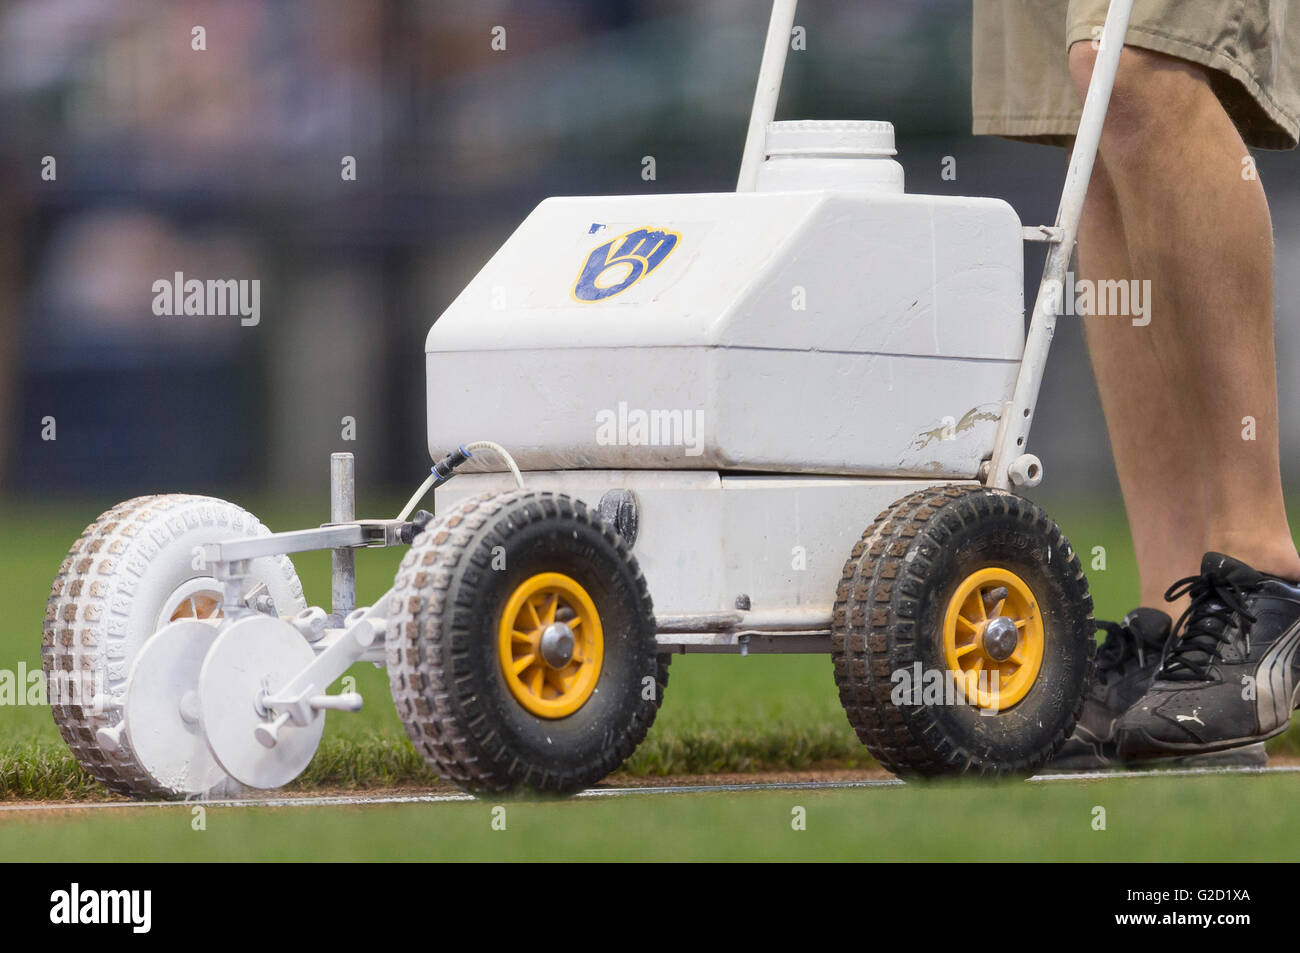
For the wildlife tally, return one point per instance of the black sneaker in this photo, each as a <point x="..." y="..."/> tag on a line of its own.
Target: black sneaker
<point x="1126" y="662"/>
<point x="1228" y="677"/>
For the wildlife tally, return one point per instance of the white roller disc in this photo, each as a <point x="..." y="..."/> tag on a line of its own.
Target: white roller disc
<point x="160" y="692"/>
<point x="254" y="655"/>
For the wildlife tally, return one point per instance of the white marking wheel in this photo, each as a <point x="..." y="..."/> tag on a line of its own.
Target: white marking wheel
<point x="251" y="660"/>
<point x="160" y="714"/>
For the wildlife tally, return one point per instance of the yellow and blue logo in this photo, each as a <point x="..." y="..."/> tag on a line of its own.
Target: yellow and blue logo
<point x="620" y="263"/>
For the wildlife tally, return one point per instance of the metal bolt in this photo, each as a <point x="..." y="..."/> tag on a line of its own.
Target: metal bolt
<point x="311" y="623"/>
<point x="557" y="644"/>
<point x="190" y="707"/>
<point x="1000" y="638"/>
<point x="994" y="596"/>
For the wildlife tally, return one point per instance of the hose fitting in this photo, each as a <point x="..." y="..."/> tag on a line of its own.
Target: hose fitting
<point x="445" y="468"/>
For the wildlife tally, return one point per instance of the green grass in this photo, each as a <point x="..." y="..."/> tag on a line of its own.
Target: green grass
<point x="950" y="821"/>
<point x="720" y="714"/>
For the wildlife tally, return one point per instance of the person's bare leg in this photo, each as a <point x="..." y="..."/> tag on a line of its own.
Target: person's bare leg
<point x="1200" y="231"/>
<point x="1160" y="478"/>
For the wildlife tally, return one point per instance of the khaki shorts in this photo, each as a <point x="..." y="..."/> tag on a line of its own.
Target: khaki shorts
<point x="1021" y="87"/>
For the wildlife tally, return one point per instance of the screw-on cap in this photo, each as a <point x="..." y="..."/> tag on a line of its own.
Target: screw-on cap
<point x="836" y="137"/>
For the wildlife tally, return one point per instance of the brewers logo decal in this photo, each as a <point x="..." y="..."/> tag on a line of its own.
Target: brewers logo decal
<point x="620" y="263"/>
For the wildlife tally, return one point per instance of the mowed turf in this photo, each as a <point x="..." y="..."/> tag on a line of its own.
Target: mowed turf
<point x="720" y="714"/>
<point x="1140" y="819"/>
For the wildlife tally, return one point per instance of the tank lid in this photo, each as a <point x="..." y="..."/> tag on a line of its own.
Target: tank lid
<point x="834" y="137"/>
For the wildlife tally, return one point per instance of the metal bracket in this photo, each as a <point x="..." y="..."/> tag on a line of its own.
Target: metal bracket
<point x="374" y="534"/>
<point x="295" y="541"/>
<point x="365" y="629"/>
<point x="1042" y="233"/>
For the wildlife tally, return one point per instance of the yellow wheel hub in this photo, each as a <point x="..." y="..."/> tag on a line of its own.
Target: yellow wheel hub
<point x="993" y="638"/>
<point x="551" y="644"/>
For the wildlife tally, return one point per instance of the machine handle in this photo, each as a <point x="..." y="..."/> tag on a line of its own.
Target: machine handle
<point x="766" y="92"/>
<point x="1017" y="415"/>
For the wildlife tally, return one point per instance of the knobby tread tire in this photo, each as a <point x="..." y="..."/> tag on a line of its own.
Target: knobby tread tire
<point x="92" y="602"/>
<point x="876" y="628"/>
<point x="434" y="639"/>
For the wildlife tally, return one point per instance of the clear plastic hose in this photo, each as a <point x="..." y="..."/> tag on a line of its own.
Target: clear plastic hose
<point x="501" y="452"/>
<point x="419" y="495"/>
<point x="432" y="478"/>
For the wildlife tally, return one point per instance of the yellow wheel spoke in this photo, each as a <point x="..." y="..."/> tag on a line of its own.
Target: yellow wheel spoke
<point x="532" y="611"/>
<point x="996" y="592"/>
<point x="542" y="600"/>
<point x="198" y="605"/>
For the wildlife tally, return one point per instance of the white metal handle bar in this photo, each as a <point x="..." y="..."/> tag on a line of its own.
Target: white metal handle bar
<point x="766" y="92"/>
<point x="1017" y="416"/>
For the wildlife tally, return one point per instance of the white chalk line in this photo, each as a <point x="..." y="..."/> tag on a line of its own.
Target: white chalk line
<point x="356" y="800"/>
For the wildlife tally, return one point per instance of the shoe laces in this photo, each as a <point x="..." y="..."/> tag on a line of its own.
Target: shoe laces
<point x="1121" y="646"/>
<point x="1202" y="629"/>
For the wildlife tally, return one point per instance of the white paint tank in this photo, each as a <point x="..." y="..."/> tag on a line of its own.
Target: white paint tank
<point x="836" y="325"/>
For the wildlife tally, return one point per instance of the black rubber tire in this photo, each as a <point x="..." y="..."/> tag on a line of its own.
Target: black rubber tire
<point x="888" y="616"/>
<point x="442" y="648"/>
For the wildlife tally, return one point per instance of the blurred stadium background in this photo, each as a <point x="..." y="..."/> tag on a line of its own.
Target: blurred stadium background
<point x="227" y="163"/>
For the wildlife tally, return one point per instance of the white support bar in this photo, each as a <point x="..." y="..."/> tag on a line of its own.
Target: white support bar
<point x="365" y="628"/>
<point x="767" y="91"/>
<point x="745" y="643"/>
<point x="1013" y="433"/>
<point x="294" y="541"/>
